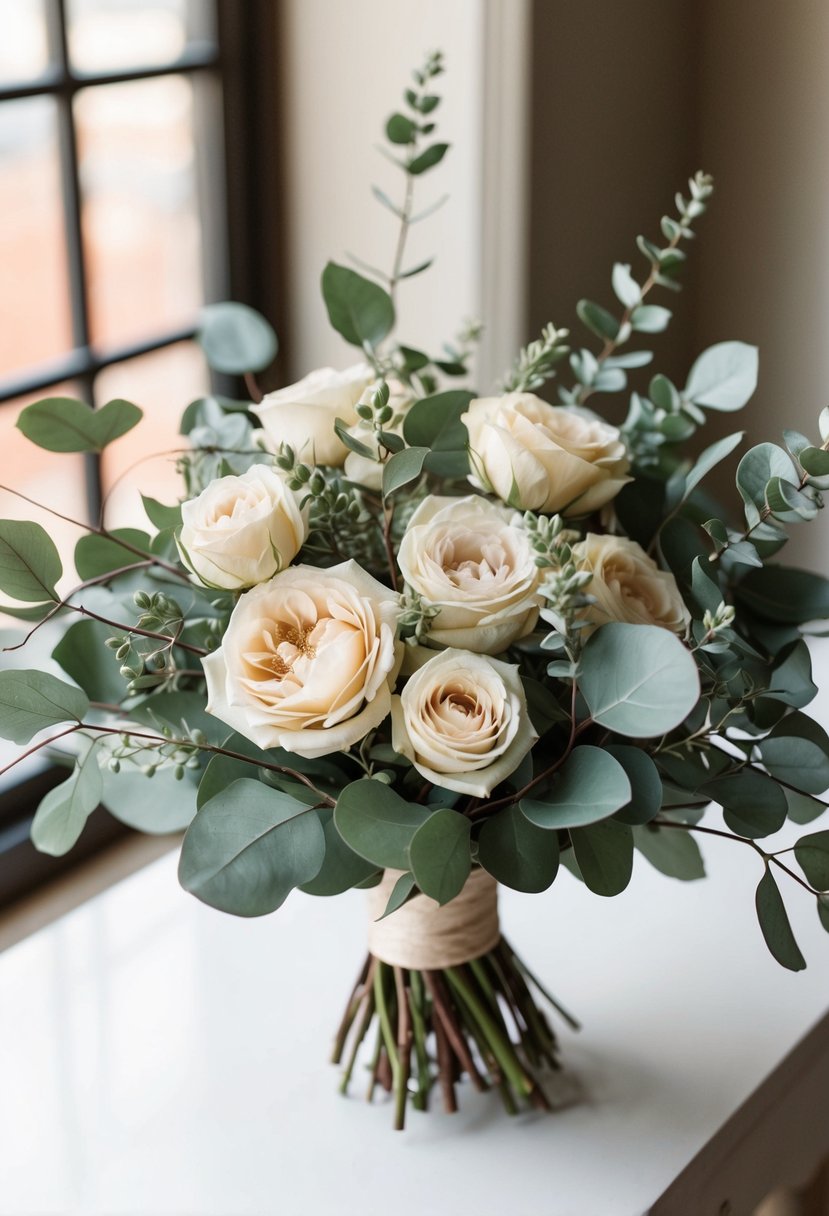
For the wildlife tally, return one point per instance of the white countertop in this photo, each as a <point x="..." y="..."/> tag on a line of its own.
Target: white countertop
<point x="159" y="1057"/>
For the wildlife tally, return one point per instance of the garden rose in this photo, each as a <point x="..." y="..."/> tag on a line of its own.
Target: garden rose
<point x="364" y="470"/>
<point x="472" y="561"/>
<point x="462" y="721"/>
<point x="627" y="585"/>
<point x="542" y="457"/>
<point x="303" y="414"/>
<point x="242" y="530"/>
<point x="308" y="660"/>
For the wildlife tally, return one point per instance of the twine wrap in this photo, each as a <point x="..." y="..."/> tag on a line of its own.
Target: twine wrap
<point x="423" y="936"/>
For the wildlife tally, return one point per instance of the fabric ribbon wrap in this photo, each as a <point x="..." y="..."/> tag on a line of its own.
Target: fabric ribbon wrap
<point x="423" y="936"/>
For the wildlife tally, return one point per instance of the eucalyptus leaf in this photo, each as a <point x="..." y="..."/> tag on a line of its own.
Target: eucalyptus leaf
<point x="427" y="159"/>
<point x="650" y="318"/>
<point x="248" y="847"/>
<point x="724" y="377"/>
<point x="402" y="468"/>
<point x="517" y="853"/>
<point x="627" y="290"/>
<point x="710" y="458"/>
<point x="435" y="422"/>
<point x="774" y="924"/>
<point x="779" y="593"/>
<point x="598" y="320"/>
<point x="31" y="701"/>
<point x="161" y="516"/>
<point x="672" y="851"/>
<point x="377" y="823"/>
<point x="645" y="784"/>
<point x="62" y="814"/>
<point x="84" y="656"/>
<point x="753" y="804"/>
<point x="96" y="555"/>
<point x="236" y="339"/>
<point x="341" y="868"/>
<point x="439" y="855"/>
<point x="401" y="891"/>
<point x="64" y="424"/>
<point x="158" y="805"/>
<point x="638" y="680"/>
<point x="796" y="751"/>
<point x="591" y="785"/>
<point x="604" y="852"/>
<point x="812" y="854"/>
<point x="361" y="311"/>
<point x="29" y="562"/>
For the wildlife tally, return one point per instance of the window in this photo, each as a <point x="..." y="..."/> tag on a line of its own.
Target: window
<point x="129" y="134"/>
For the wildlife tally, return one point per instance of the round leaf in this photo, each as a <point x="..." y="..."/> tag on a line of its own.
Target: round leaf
<point x="645" y="784"/>
<point x="31" y="701"/>
<point x="724" y="376"/>
<point x="361" y="311"/>
<point x="236" y="339"/>
<point x="341" y="868"/>
<point x="796" y="751"/>
<point x="517" y="853"/>
<point x="604" y="853"/>
<point x="439" y="855"/>
<point x="754" y="805"/>
<point x="590" y="786"/>
<point x="29" y="562"/>
<point x="638" y="680"/>
<point x="62" y="814"/>
<point x="63" y="424"/>
<point x="812" y="853"/>
<point x="672" y="851"/>
<point x="377" y="823"/>
<point x="248" y="848"/>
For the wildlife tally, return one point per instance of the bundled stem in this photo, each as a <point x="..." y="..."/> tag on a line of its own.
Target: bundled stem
<point x="431" y="1028"/>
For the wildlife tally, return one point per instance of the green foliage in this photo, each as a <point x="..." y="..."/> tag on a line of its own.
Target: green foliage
<point x="29" y="563"/>
<point x="604" y="852"/>
<point x="536" y="362"/>
<point x="645" y="784"/>
<point x="31" y="701"/>
<point x="96" y="555"/>
<point x="248" y="847"/>
<point x="638" y="680"/>
<point x="775" y="926"/>
<point x="591" y="785"/>
<point x="63" y="424"/>
<point x="724" y="377"/>
<point x="439" y="855"/>
<point x="779" y="593"/>
<point x="402" y="889"/>
<point x="402" y="468"/>
<point x="672" y="851"/>
<point x="341" y="867"/>
<point x="83" y="654"/>
<point x="796" y="751"/>
<point x="236" y="339"/>
<point x="377" y="823"/>
<point x="753" y="804"/>
<point x="160" y="805"/>
<point x="62" y="814"/>
<point x="812" y="853"/>
<point x="435" y="421"/>
<point x="359" y="310"/>
<point x="516" y="852"/>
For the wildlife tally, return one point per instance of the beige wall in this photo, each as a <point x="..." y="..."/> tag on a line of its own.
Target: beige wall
<point x="346" y="63"/>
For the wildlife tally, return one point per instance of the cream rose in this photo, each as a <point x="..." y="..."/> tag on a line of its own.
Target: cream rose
<point x="542" y="457"/>
<point x="308" y="660"/>
<point x="368" y="470"/>
<point x="303" y="414"/>
<point x="627" y="585"/>
<point x="242" y="530"/>
<point x="462" y="720"/>
<point x="472" y="561"/>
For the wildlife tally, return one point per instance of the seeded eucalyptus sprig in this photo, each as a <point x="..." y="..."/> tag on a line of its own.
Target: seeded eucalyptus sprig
<point x="536" y="362"/>
<point x="606" y="371"/>
<point x="563" y="583"/>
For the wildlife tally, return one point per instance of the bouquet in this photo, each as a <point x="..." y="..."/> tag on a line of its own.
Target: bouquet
<point x="406" y="637"/>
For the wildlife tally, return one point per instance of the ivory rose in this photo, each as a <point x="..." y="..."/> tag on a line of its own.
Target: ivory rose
<point x="472" y="561"/>
<point x="627" y="585"/>
<point x="462" y="721"/>
<point x="308" y="660"/>
<point x="542" y="457"/>
<point x="368" y="471"/>
<point x="242" y="530"/>
<point x="303" y="414"/>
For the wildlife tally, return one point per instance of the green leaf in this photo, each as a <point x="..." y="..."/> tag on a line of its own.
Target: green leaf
<point x="628" y="291"/>
<point x="427" y="159"/>
<point x="517" y="853"/>
<point x="401" y="891"/>
<point x="29" y="562"/>
<point x="400" y="129"/>
<point x="157" y="805"/>
<point x="791" y="681"/>
<point x="778" y="593"/>
<point x="709" y="459"/>
<point x="823" y="911"/>
<point x="757" y="468"/>
<point x="753" y="804"/>
<point x="439" y="855"/>
<point x="598" y="320"/>
<point x="802" y="808"/>
<point x="351" y="441"/>
<point x="97" y="555"/>
<point x="604" y="852"/>
<point x="787" y="502"/>
<point x="774" y="923"/>
<point x="812" y="854"/>
<point x="645" y="784"/>
<point x="377" y="823"/>
<point x="638" y="680"/>
<point x="359" y="310"/>
<point x="672" y="851"/>
<point x="591" y="785"/>
<point x="650" y="318"/>
<point x="796" y="751"/>
<point x="401" y="468"/>
<point x="248" y="848"/>
<point x="31" y="701"/>
<point x="435" y="422"/>
<point x="182" y="711"/>
<point x="815" y="461"/>
<point x="86" y="659"/>
<point x="236" y="339"/>
<point x="63" y="424"/>
<point x="724" y="377"/>
<point x="62" y="814"/>
<point x="341" y="868"/>
<point x="160" y="515"/>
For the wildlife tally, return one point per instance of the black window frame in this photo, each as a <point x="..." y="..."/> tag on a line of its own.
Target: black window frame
<point x="242" y="61"/>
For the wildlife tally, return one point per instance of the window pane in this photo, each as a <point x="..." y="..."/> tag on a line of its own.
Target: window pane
<point x="141" y="226"/>
<point x="162" y="383"/>
<point x="24" y="47"/>
<point x="56" y="479"/>
<point x="105" y="35"/>
<point x="35" y="319"/>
